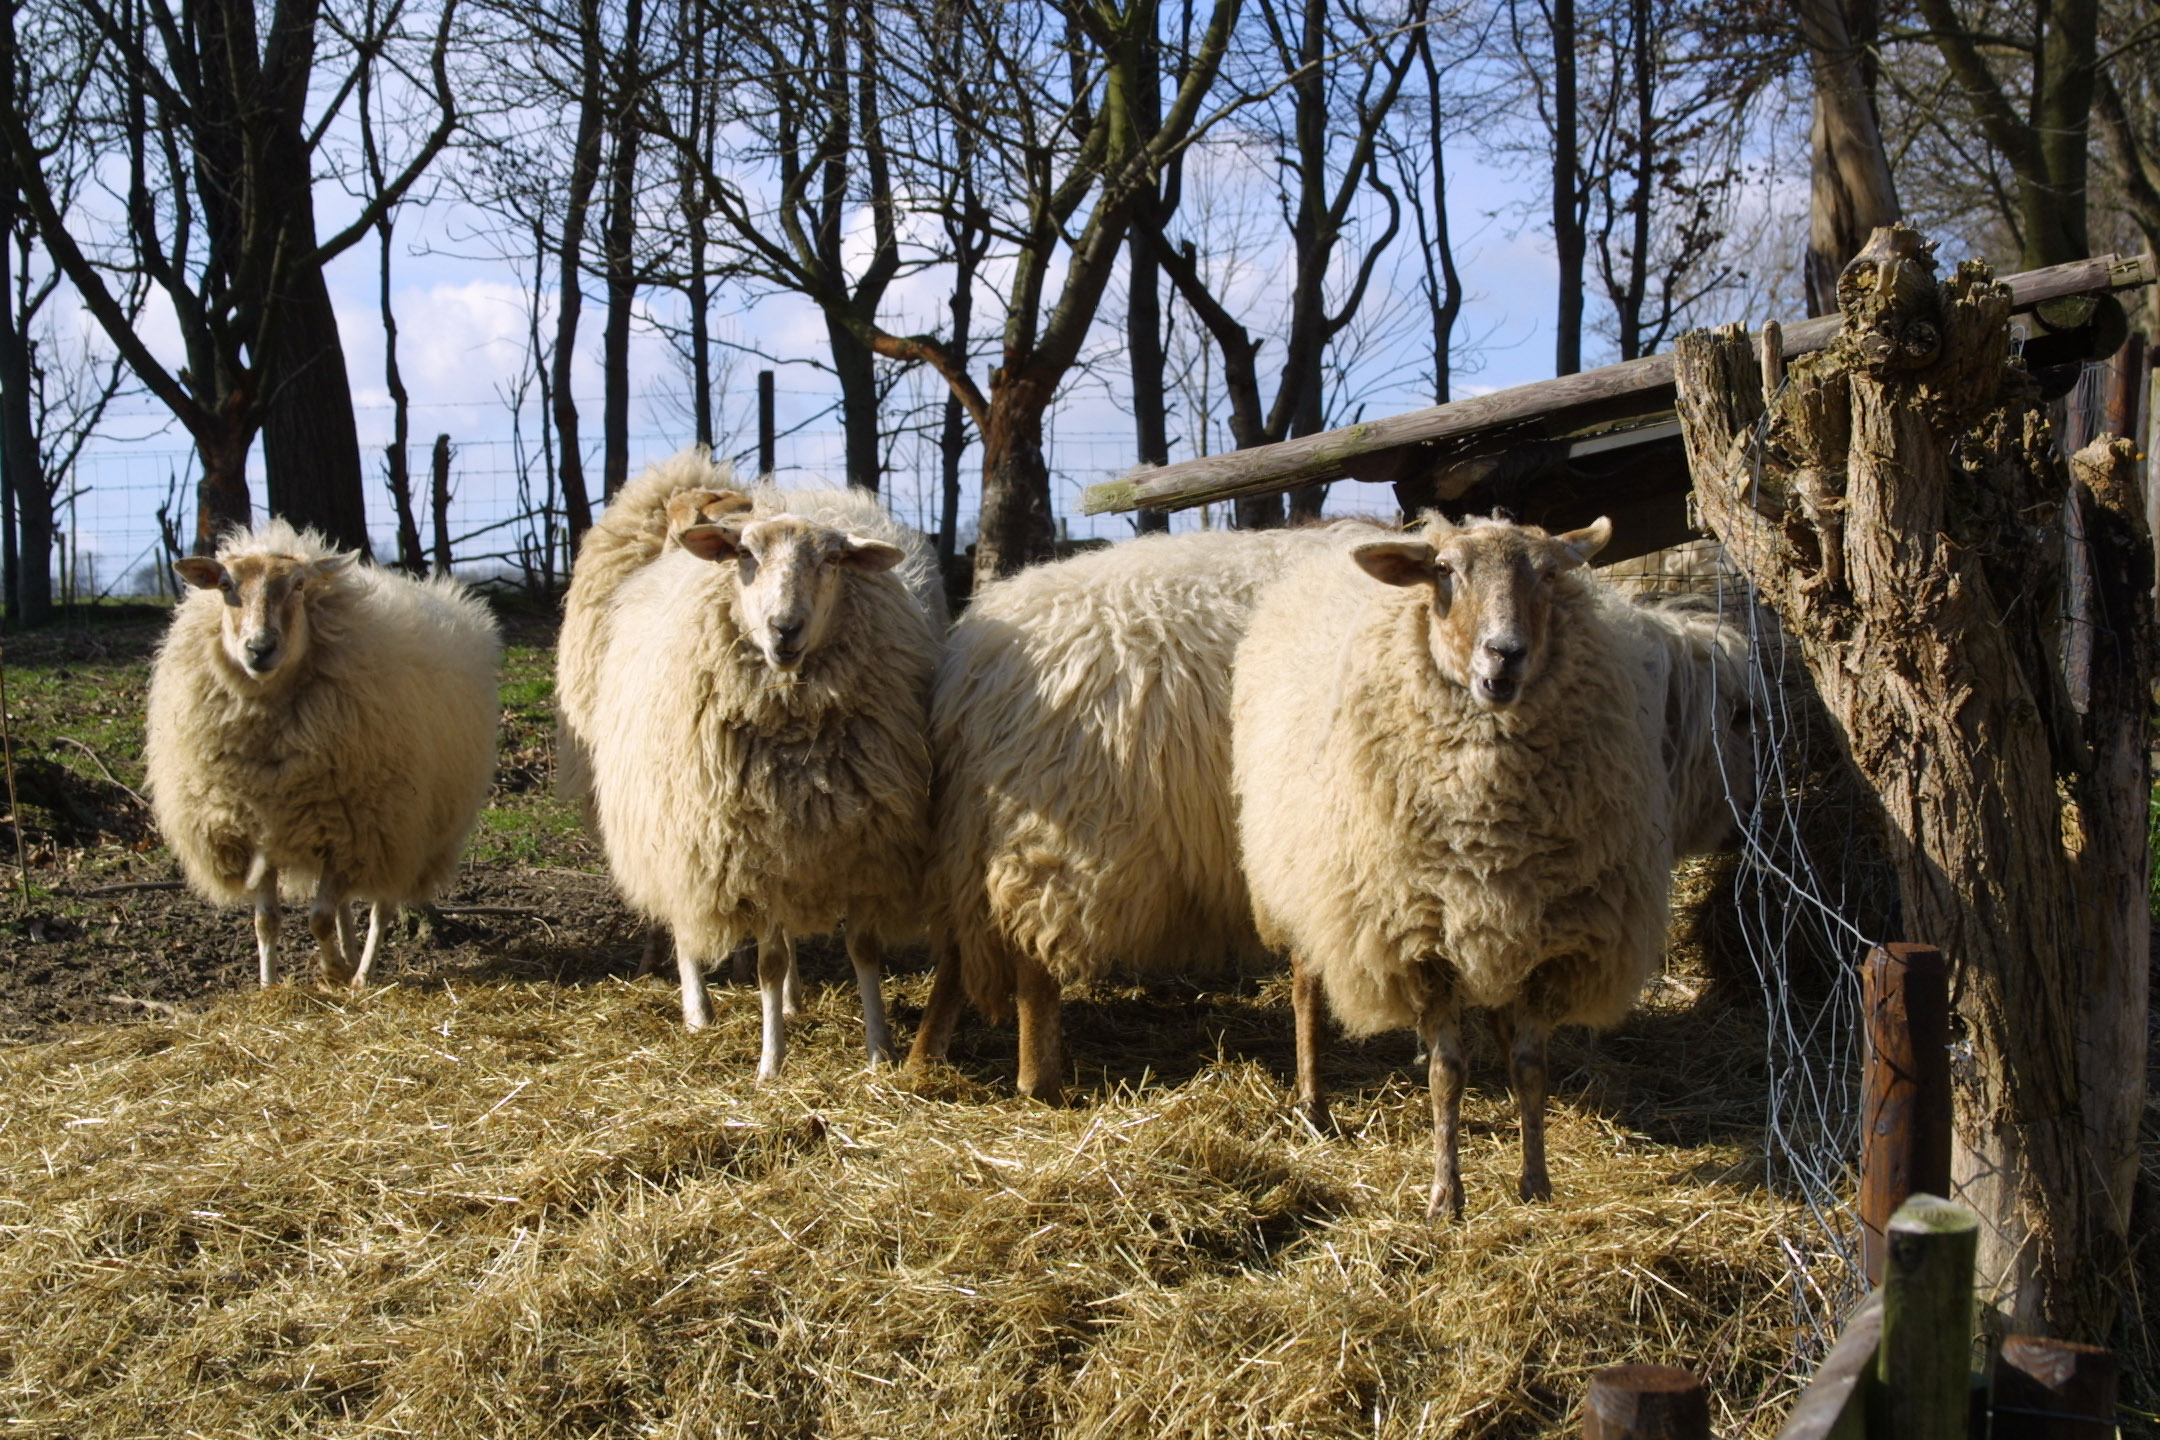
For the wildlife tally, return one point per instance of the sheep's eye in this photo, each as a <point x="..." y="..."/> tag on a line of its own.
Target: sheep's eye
<point x="1441" y="567"/>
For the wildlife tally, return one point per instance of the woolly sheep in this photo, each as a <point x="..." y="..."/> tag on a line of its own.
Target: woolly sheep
<point x="1465" y="785"/>
<point x="756" y="744"/>
<point x="320" y="724"/>
<point x="1081" y="732"/>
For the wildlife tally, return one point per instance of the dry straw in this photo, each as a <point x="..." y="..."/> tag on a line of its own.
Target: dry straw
<point x="492" y="1209"/>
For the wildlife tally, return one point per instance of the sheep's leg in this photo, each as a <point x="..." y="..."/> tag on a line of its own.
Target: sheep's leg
<point x="696" y="1001"/>
<point x="863" y="953"/>
<point x="791" y="1006"/>
<point x="1042" y="1061"/>
<point x="267" y="920"/>
<point x="1446" y="1071"/>
<point x="655" y="952"/>
<point x="331" y="921"/>
<point x="379" y="916"/>
<point x="934" y="1037"/>
<point x="1524" y="1037"/>
<point x="776" y="965"/>
<point x="1305" y="1009"/>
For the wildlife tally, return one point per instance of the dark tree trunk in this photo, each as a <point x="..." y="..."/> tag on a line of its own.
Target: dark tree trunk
<point x="621" y="230"/>
<point x="1017" y="528"/>
<point x="952" y="445"/>
<point x="700" y="336"/>
<point x="439" y="493"/>
<point x="222" y="502"/>
<point x="570" y="270"/>
<point x="856" y="369"/>
<point x="311" y="449"/>
<point x="1569" y="242"/>
<point x="28" y="499"/>
<point x="1902" y="512"/>
<point x="1143" y="303"/>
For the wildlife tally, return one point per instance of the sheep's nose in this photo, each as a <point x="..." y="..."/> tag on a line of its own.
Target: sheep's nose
<point x="788" y="635"/>
<point x="1510" y="653"/>
<point x="261" y="651"/>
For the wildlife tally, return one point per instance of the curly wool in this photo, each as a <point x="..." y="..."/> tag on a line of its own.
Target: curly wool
<point x="1411" y="843"/>
<point x="375" y="756"/>
<point x="731" y="799"/>
<point x="1081" y="728"/>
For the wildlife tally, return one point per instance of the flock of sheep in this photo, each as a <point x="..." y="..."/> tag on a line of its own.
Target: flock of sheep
<point x="1442" y="769"/>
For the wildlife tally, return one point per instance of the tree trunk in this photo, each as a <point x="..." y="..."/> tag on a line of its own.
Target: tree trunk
<point x="28" y="498"/>
<point x="569" y="292"/>
<point x="620" y="230"/>
<point x="311" y="449"/>
<point x="1902" y="516"/>
<point x="1017" y="528"/>
<point x="221" y="496"/>
<point x="439" y="491"/>
<point x="1144" y="347"/>
<point x="398" y="460"/>
<point x="1569" y="244"/>
<point x="856" y="368"/>
<point x="1850" y="189"/>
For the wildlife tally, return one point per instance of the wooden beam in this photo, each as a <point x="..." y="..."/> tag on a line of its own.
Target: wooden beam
<point x="1834" y="1405"/>
<point x="1562" y="408"/>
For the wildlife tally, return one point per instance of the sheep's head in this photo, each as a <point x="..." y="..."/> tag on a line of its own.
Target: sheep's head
<point x="789" y="570"/>
<point x="265" y="626"/>
<point x="1492" y="592"/>
<point x="686" y="508"/>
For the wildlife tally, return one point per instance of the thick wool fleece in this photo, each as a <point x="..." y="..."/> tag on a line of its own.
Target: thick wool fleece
<point x="1410" y="843"/>
<point x="373" y="755"/>
<point x="1081" y="729"/>
<point x="732" y="799"/>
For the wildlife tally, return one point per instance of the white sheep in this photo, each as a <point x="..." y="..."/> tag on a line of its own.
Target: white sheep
<point x="757" y="750"/>
<point x="1083" y="819"/>
<point x="1464" y="770"/>
<point x="324" y="724"/>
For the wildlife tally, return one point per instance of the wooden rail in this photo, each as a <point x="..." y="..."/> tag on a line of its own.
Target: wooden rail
<point x="1585" y="410"/>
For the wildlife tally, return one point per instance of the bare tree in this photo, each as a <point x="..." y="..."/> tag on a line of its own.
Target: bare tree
<point x="218" y="125"/>
<point x="1851" y="190"/>
<point x="1341" y="70"/>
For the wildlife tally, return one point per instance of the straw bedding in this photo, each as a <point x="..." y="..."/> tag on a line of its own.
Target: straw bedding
<point x="509" y="1209"/>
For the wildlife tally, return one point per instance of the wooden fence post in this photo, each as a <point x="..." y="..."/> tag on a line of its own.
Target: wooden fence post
<point x="1646" y="1402"/>
<point x="765" y="426"/>
<point x="1926" y="1357"/>
<point x="2053" y="1390"/>
<point x="1905" y="1088"/>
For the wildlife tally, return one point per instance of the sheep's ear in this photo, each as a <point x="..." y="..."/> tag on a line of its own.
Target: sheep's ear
<point x="200" y="571"/>
<point x="332" y="565"/>
<point x="1586" y="542"/>
<point x="682" y="509"/>
<point x="711" y="542"/>
<point x="724" y="502"/>
<point x="871" y="555"/>
<point x="1396" y="562"/>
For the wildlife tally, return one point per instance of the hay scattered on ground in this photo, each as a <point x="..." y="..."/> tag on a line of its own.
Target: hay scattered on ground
<point x="513" y="1209"/>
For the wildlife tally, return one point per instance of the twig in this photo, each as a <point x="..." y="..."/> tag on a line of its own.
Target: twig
<point x="162" y="1008"/>
<point x="103" y="769"/>
<point x="130" y="888"/>
<point x="7" y="752"/>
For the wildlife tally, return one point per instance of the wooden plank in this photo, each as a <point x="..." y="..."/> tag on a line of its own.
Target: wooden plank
<point x="1904" y="1089"/>
<point x="1644" y="386"/>
<point x="1834" y="1405"/>
<point x="1646" y="1402"/>
<point x="1925" y="1360"/>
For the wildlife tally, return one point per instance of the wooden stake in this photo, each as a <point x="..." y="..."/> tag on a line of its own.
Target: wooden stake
<point x="2053" y="1390"/>
<point x="1646" y="1402"/>
<point x="1905" y="1088"/>
<point x="1926" y="1355"/>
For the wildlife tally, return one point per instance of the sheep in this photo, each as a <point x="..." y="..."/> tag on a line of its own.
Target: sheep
<point x="1082" y="803"/>
<point x="756" y="741"/>
<point x="1466" y="785"/>
<point x="315" y="720"/>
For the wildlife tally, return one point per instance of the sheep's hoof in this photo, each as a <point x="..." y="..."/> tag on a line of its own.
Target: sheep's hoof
<point x="1535" y="1187"/>
<point x="332" y="974"/>
<point x="1446" y="1201"/>
<point x="1317" y="1117"/>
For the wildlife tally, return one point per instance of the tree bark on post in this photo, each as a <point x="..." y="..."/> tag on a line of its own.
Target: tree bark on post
<point x="1900" y="506"/>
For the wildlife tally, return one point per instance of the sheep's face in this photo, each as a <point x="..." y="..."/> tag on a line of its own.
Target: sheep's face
<point x="789" y="571"/>
<point x="1492" y="591"/>
<point x="265" y="626"/>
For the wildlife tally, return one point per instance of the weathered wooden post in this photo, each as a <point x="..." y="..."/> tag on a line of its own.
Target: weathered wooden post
<point x="1924" y="1366"/>
<point x="2053" y="1390"/>
<point x="1899" y="502"/>
<point x="1905" y="1088"/>
<point x="1646" y="1402"/>
<point x="766" y="458"/>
